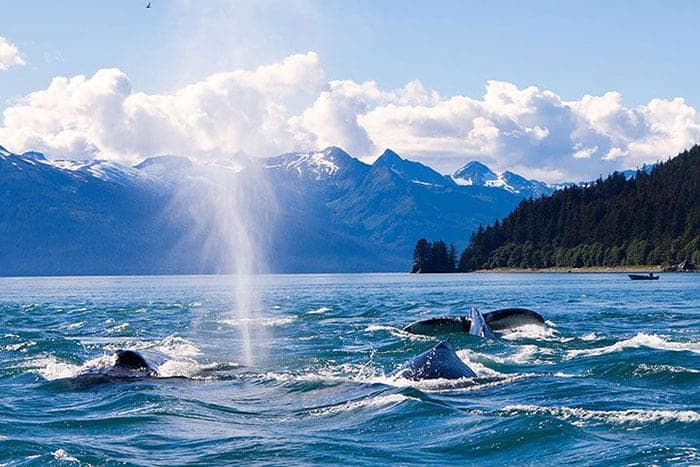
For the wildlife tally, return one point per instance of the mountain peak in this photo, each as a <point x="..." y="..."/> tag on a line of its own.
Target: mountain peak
<point x="169" y="161"/>
<point x="388" y="157"/>
<point x="335" y="153"/>
<point x="474" y="173"/>
<point x="317" y="165"/>
<point x="410" y="170"/>
<point x="33" y="155"/>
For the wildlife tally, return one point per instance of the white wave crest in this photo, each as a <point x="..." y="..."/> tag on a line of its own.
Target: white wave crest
<point x="62" y="455"/>
<point x="177" y="347"/>
<point x="50" y="368"/>
<point x="118" y="328"/>
<point x="372" y="402"/>
<point x="639" y="340"/>
<point x="20" y="346"/>
<point x="524" y="354"/>
<point x="591" y="336"/>
<point x="319" y="311"/>
<point x="580" y="416"/>
<point x="396" y="332"/>
<point x="533" y="331"/>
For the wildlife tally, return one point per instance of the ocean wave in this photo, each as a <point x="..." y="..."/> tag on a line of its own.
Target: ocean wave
<point x="19" y="346"/>
<point x="319" y="311"/>
<point x="591" y="336"/>
<point x="639" y="340"/>
<point x="524" y="354"/>
<point x="118" y="328"/>
<point x="62" y="455"/>
<point x="51" y="369"/>
<point x="580" y="416"/>
<point x="370" y="402"/>
<point x="396" y="332"/>
<point x="533" y="331"/>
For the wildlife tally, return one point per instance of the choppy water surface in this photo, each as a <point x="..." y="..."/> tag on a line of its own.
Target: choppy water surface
<point x="613" y="379"/>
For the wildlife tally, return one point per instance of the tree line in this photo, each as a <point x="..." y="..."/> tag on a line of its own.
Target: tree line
<point x="434" y="257"/>
<point x="652" y="218"/>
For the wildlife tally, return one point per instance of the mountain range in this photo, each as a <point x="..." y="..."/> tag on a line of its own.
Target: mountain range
<point x="323" y="211"/>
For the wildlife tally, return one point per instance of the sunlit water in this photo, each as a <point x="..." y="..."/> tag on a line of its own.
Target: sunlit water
<point x="614" y="379"/>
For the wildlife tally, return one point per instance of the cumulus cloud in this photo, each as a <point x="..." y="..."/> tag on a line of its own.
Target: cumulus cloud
<point x="9" y="55"/>
<point x="101" y="116"/>
<point x="289" y="106"/>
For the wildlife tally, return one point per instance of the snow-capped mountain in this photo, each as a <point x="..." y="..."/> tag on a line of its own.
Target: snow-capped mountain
<point x="317" y="165"/>
<point x="475" y="173"/>
<point x="410" y="170"/>
<point x="325" y="211"/>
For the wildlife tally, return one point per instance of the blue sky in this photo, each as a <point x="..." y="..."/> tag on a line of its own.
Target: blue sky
<point x="642" y="50"/>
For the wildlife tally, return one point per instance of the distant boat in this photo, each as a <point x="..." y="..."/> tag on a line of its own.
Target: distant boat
<point x="643" y="277"/>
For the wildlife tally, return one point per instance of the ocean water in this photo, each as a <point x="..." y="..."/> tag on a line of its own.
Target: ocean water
<point x="303" y="378"/>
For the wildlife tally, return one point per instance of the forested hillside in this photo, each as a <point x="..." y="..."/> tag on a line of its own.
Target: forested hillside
<point x="652" y="218"/>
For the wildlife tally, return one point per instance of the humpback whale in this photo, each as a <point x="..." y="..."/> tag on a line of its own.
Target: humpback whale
<point x="439" y="362"/>
<point x="128" y="364"/>
<point x="132" y="364"/>
<point x="476" y="323"/>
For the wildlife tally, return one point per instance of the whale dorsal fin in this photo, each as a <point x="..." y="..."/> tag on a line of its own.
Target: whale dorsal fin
<point x="479" y="327"/>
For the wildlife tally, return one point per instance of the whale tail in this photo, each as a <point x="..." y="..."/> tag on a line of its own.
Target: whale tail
<point x="498" y="320"/>
<point x="510" y="318"/>
<point x="479" y="327"/>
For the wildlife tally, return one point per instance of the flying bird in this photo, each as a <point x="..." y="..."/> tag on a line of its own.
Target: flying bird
<point x="148" y="5"/>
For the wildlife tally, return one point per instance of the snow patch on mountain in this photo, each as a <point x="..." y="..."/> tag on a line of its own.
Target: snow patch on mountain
<point x="316" y="165"/>
<point x="477" y="174"/>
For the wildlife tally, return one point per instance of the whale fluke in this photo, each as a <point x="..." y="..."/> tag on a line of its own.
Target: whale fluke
<point x="441" y="325"/>
<point x="498" y="320"/>
<point x="479" y="327"/>
<point x="509" y="318"/>
<point x="440" y="362"/>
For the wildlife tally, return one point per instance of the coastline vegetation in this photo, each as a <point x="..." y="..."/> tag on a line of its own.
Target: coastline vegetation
<point x="651" y="219"/>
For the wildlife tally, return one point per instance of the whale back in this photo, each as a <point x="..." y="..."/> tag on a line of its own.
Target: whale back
<point x="131" y="364"/>
<point x="440" y="362"/>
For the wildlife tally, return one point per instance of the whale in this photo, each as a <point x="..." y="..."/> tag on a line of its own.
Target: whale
<point x="127" y="365"/>
<point x="440" y="362"/>
<point x="130" y="363"/>
<point x="476" y="323"/>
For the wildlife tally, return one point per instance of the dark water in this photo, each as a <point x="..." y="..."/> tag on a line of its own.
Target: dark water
<point x="614" y="379"/>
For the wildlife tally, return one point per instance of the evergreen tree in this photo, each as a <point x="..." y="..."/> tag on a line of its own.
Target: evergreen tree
<point x="653" y="218"/>
<point x="421" y="256"/>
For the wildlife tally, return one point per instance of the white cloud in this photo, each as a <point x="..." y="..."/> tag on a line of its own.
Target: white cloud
<point x="289" y="106"/>
<point x="101" y="116"/>
<point x="9" y="55"/>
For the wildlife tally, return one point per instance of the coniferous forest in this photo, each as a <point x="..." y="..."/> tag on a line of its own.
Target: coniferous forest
<point x="650" y="219"/>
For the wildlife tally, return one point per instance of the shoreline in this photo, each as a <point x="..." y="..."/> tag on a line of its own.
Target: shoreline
<point x="587" y="269"/>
